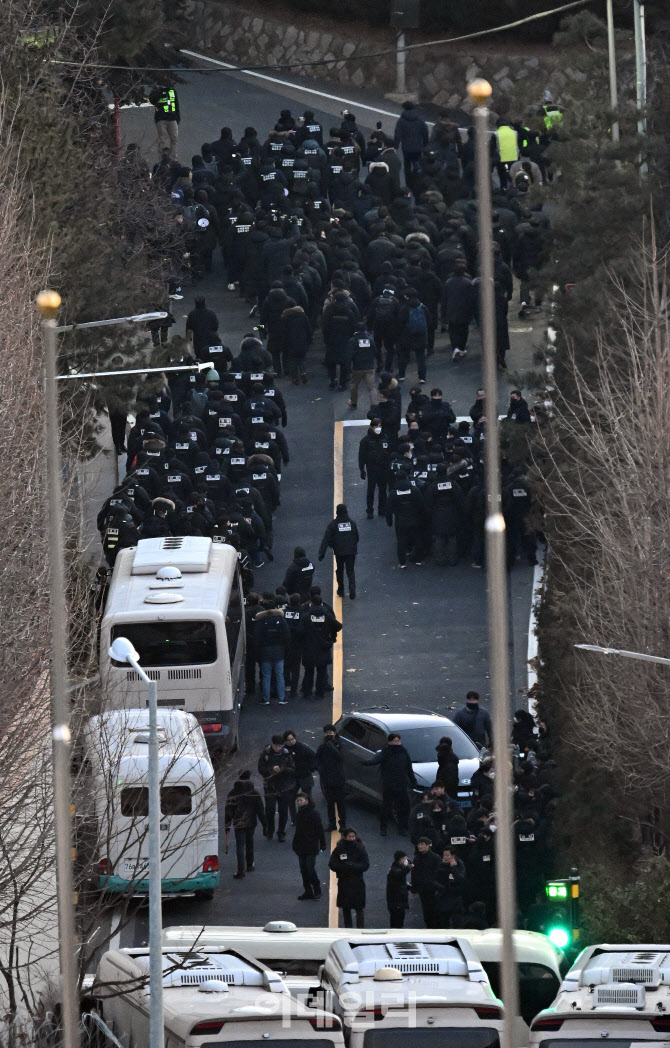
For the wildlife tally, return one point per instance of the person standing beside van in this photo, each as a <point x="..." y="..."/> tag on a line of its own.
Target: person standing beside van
<point x="271" y="636"/>
<point x="244" y="808"/>
<point x="349" y="861"/>
<point x="308" y="840"/>
<point x="276" y="766"/>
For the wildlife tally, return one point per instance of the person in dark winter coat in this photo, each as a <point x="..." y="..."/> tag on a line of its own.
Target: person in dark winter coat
<point x="374" y="456"/>
<point x="244" y="808"/>
<point x="330" y="765"/>
<point x="414" y="320"/>
<point x="202" y="326"/>
<point x="274" y="304"/>
<point x="411" y="132"/>
<point x="296" y="338"/>
<point x="271" y="638"/>
<point x="458" y="309"/>
<point x="447" y="771"/>
<point x="276" y="766"/>
<point x="342" y="537"/>
<point x="319" y="628"/>
<point x="475" y="722"/>
<point x="397" y="775"/>
<point x="308" y="840"/>
<point x="349" y="861"/>
<point x="304" y="759"/>
<point x="425" y="868"/>
<point x="397" y="889"/>
<point x="338" y="323"/>
<point x="299" y="574"/>
<point x="449" y="888"/>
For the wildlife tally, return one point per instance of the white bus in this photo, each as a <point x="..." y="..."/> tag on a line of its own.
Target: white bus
<point x="179" y="602"/>
<point x="207" y="1000"/>
<point x="617" y="995"/>
<point x="299" y="953"/>
<point x="434" y="994"/>
<point x="115" y="798"/>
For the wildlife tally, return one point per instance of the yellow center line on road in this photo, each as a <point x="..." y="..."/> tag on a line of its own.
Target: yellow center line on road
<point x="338" y="496"/>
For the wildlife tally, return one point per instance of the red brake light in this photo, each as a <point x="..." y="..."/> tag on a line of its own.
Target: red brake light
<point x="661" y="1025"/>
<point x="488" y="1012"/>
<point x="325" y="1021"/>
<point x="211" y="864"/>
<point x="104" y="866"/>
<point x="209" y="728"/>
<point x="209" y="1026"/>
<point x="547" y="1024"/>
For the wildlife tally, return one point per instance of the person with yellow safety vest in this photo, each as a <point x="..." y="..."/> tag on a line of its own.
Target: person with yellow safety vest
<point x="166" y="116"/>
<point x="508" y="149"/>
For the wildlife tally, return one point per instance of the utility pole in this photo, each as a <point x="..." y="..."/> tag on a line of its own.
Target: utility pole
<point x="48" y="303"/>
<point x="614" y="96"/>
<point x="496" y="572"/>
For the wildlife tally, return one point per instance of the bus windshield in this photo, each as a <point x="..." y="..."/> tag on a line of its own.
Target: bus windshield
<point x="170" y="643"/>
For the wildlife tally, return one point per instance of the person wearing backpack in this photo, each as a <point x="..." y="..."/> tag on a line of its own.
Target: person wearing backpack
<point x="414" y="320"/>
<point x="382" y="320"/>
<point x="271" y="636"/>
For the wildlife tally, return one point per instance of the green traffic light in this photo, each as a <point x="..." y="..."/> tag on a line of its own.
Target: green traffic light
<point x="559" y="936"/>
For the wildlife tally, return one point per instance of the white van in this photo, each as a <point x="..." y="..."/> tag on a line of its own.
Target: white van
<point x="437" y="990"/>
<point x="116" y="752"/>
<point x="208" y="1000"/>
<point x="617" y="995"/>
<point x="179" y="602"/>
<point x="299" y="953"/>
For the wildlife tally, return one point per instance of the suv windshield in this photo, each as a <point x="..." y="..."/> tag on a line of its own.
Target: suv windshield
<point x="420" y="743"/>
<point x="170" y="643"/>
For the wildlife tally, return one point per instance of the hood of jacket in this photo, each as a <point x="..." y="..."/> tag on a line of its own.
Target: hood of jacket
<point x="269" y="613"/>
<point x="292" y="311"/>
<point x="410" y="116"/>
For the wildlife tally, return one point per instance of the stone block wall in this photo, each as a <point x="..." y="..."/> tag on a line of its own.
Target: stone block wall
<point x="227" y="30"/>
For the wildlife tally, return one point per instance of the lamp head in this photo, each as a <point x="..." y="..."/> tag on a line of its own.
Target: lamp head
<point x="479" y="91"/>
<point x="123" y="651"/>
<point x="48" y="303"/>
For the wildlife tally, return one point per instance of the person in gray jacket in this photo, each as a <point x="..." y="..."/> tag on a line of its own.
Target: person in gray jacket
<point x="411" y="132"/>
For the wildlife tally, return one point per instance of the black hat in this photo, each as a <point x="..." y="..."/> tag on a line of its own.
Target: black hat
<point x="397" y="855"/>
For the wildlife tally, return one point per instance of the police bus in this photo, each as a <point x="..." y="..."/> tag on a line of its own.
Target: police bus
<point x="178" y="600"/>
<point x="617" y="995"/>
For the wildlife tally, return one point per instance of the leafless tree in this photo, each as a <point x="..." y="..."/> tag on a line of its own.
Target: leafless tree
<point x="604" y="465"/>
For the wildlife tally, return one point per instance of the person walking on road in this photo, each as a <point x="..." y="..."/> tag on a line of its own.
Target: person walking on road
<point x="271" y="637"/>
<point x="277" y="769"/>
<point x="308" y="840"/>
<point x="374" y="457"/>
<point x="397" y="889"/>
<point x="330" y="765"/>
<point x="425" y="869"/>
<point x="475" y="722"/>
<point x="362" y="360"/>
<point x="304" y="761"/>
<point x="397" y="775"/>
<point x="342" y="536"/>
<point x="244" y="808"/>
<point x="411" y="132"/>
<point x="318" y="630"/>
<point x="166" y="117"/>
<point x="349" y="861"/>
<point x="299" y="574"/>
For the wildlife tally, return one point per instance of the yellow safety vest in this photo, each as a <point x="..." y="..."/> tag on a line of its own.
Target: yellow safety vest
<point x="507" y="144"/>
<point x="168" y="102"/>
<point x="552" y="115"/>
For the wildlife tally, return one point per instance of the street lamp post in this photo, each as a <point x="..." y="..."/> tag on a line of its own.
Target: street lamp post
<point x="611" y="56"/>
<point x="496" y="555"/>
<point x="123" y="651"/>
<point x="48" y="303"/>
<point x="640" y="656"/>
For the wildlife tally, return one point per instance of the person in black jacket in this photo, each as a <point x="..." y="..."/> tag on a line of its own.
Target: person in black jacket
<point x="271" y="636"/>
<point x="299" y="574"/>
<point x="374" y="456"/>
<point x="425" y="868"/>
<point x="449" y="888"/>
<point x="276" y="766"/>
<point x="330" y="765"/>
<point x="397" y="889"/>
<point x="304" y="759"/>
<point x="308" y="840"/>
<point x="406" y="505"/>
<point x="342" y="536"/>
<point x="447" y="767"/>
<point x="296" y="338"/>
<point x="458" y="307"/>
<point x="361" y="356"/>
<point x="397" y="775"/>
<point x="349" y="861"/>
<point x="318" y="630"/>
<point x="475" y="722"/>
<point x="244" y="808"/>
<point x="293" y="656"/>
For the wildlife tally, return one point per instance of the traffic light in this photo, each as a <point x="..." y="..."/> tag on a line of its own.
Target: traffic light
<point x="561" y="924"/>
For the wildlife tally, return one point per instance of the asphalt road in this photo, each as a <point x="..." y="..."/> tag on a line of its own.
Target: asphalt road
<point x="414" y="638"/>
